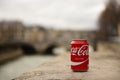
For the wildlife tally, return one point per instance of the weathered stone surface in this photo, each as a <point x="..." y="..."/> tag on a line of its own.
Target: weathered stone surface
<point x="104" y="65"/>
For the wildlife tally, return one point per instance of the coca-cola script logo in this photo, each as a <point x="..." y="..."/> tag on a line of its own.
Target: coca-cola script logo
<point x="83" y="50"/>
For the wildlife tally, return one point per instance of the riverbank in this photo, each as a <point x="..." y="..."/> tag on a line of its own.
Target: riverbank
<point x="10" y="54"/>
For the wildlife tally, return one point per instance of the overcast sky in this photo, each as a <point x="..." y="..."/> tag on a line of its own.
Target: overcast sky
<point x="60" y="14"/>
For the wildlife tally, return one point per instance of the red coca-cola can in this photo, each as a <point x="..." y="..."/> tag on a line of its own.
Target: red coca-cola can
<point x="79" y="55"/>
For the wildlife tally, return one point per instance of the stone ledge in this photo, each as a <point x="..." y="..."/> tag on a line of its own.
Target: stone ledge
<point x="102" y="67"/>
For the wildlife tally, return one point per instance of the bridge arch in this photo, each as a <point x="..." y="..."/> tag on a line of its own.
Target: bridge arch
<point x="28" y="48"/>
<point x="50" y="48"/>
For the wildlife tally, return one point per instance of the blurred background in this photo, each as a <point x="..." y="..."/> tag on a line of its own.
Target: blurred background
<point x="33" y="32"/>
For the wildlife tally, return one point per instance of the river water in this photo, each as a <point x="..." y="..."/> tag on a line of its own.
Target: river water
<point x="22" y="64"/>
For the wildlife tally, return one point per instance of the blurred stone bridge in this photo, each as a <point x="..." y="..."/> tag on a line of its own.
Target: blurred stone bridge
<point x="36" y="38"/>
<point x="50" y="40"/>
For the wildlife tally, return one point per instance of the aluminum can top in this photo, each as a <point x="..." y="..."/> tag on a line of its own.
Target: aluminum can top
<point x="82" y="41"/>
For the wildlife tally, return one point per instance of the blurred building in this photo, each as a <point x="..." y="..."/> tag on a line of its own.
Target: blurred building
<point x="11" y="31"/>
<point x="34" y="34"/>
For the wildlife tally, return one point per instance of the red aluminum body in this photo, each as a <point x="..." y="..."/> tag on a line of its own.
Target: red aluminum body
<point x="79" y="55"/>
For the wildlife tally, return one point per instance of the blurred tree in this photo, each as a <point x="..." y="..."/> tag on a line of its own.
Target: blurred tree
<point x="108" y="20"/>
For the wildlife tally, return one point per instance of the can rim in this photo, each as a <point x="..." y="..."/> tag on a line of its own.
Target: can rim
<point x="78" y="39"/>
<point x="85" y="41"/>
